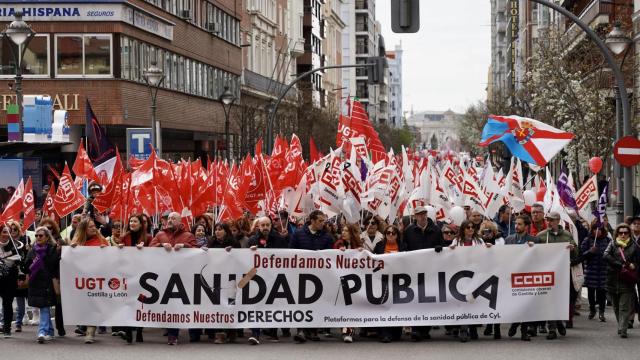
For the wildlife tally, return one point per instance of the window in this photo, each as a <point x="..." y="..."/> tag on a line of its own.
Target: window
<point x="86" y="55"/>
<point x="35" y="61"/>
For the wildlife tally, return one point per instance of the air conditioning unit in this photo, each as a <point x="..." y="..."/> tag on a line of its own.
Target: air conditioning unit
<point x="213" y="27"/>
<point x="185" y="14"/>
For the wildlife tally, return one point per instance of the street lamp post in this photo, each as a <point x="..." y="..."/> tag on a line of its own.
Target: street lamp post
<point x="20" y="34"/>
<point x="154" y="76"/>
<point x="227" y="98"/>
<point x="619" y="78"/>
<point x="618" y="43"/>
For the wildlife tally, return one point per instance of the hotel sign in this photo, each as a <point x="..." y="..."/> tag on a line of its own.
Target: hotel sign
<point x="90" y="12"/>
<point x="514" y="13"/>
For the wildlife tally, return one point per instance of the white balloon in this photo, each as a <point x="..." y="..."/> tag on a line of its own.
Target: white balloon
<point x="431" y="213"/>
<point x="529" y="197"/>
<point x="457" y="215"/>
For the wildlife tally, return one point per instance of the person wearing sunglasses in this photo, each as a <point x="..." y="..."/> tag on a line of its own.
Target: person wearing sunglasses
<point x="392" y="243"/>
<point x="23" y="245"/>
<point x="467" y="236"/>
<point x="448" y="233"/>
<point x="490" y="235"/>
<point x="622" y="256"/>
<point x="372" y="235"/>
<point x="43" y="266"/>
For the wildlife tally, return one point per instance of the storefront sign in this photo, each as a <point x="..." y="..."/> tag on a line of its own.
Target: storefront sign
<point x="192" y="288"/>
<point x="139" y="143"/>
<point x="90" y="12"/>
<point x="67" y="102"/>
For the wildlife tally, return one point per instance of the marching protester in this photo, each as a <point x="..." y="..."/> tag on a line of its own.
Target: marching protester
<point x="592" y="251"/>
<point x="449" y="232"/>
<point x="10" y="260"/>
<point x="537" y="219"/>
<point x="21" y="291"/>
<point x="200" y="233"/>
<point x="622" y="256"/>
<point x="423" y="234"/>
<point x="372" y="235"/>
<point x="520" y="237"/>
<point x="87" y="234"/>
<point x="392" y="243"/>
<point x="135" y="233"/>
<point x="42" y="264"/>
<point x="555" y="234"/>
<point x="312" y="236"/>
<point x="54" y="229"/>
<point x="116" y="233"/>
<point x="349" y="238"/>
<point x="505" y="221"/>
<point x="467" y="236"/>
<point x="173" y="237"/>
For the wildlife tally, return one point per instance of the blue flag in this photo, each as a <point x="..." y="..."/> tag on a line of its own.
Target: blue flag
<point x="601" y="208"/>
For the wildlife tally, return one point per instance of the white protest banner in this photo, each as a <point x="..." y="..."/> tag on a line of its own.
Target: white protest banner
<point x="193" y="288"/>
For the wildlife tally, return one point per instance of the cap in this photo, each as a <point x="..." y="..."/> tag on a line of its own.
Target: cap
<point x="94" y="186"/>
<point x="553" y="215"/>
<point x="419" y="209"/>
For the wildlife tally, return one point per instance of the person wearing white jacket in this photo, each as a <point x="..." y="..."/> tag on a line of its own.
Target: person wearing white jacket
<point x="372" y="235"/>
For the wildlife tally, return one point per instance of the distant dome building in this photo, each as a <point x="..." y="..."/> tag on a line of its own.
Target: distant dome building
<point x="437" y="129"/>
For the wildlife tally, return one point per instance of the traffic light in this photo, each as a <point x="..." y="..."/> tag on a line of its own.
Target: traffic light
<point x="405" y="16"/>
<point x="375" y="72"/>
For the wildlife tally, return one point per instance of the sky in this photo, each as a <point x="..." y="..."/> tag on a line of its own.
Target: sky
<point x="446" y="62"/>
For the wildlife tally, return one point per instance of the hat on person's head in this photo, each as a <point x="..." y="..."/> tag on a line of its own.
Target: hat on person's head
<point x="634" y="218"/>
<point x="419" y="209"/>
<point x="94" y="186"/>
<point x="553" y="215"/>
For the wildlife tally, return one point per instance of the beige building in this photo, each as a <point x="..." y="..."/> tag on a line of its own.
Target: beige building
<point x="437" y="129"/>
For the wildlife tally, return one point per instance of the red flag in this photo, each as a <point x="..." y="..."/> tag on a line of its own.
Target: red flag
<point x="15" y="205"/>
<point x="313" y="151"/>
<point x="48" y="209"/>
<point x="105" y="200"/>
<point x="28" y="205"/>
<point x="360" y="124"/>
<point x="258" y="149"/>
<point x="82" y="166"/>
<point x="344" y="130"/>
<point x="67" y="198"/>
<point x="257" y="188"/>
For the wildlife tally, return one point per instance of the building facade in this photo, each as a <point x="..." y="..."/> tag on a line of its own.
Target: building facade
<point x="98" y="52"/>
<point x="396" y="115"/>
<point x="334" y="27"/>
<point x="437" y="129"/>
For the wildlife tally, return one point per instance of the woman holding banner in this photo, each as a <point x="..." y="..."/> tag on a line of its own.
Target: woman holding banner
<point x="467" y="236"/>
<point x="135" y="235"/>
<point x="43" y="266"/>
<point x="623" y="259"/>
<point x="87" y="234"/>
<point x="391" y="243"/>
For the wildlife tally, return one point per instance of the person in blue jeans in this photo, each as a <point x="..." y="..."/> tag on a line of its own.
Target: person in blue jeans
<point x="43" y="265"/>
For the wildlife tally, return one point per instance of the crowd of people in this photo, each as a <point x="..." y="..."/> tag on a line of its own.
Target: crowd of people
<point x="30" y="266"/>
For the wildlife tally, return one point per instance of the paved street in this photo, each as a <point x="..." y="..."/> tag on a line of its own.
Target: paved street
<point x="588" y="340"/>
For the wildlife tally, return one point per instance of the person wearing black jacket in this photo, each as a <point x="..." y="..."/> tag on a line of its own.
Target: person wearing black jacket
<point x="424" y="234"/>
<point x="43" y="266"/>
<point x="10" y="262"/>
<point x="391" y="243"/>
<point x="267" y="238"/>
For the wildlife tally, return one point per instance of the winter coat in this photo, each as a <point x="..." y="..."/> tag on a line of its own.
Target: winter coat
<point x="173" y="237"/>
<point x="380" y="246"/>
<point x="614" y="260"/>
<point x="516" y="239"/>
<point x="304" y="239"/>
<point x="214" y="243"/>
<point x="367" y="244"/>
<point x="9" y="283"/>
<point x="562" y="236"/>
<point x="41" y="293"/>
<point x="273" y="240"/>
<point x="595" y="266"/>
<point x="415" y="238"/>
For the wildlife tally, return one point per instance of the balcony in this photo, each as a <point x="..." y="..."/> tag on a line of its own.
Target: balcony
<point x="501" y="6"/>
<point x="265" y="85"/>
<point x="362" y="4"/>
<point x="596" y="13"/>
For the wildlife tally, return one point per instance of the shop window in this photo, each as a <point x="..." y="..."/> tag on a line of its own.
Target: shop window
<point x="86" y="55"/>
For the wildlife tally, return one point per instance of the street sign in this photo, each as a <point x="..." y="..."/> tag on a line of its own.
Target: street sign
<point x="139" y="143"/>
<point x="627" y="151"/>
